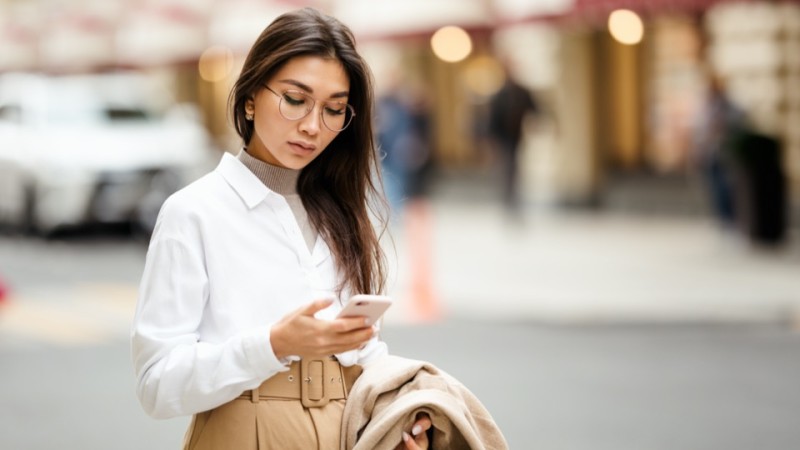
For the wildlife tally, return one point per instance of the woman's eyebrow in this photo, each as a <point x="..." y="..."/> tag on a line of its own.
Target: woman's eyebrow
<point x="308" y="88"/>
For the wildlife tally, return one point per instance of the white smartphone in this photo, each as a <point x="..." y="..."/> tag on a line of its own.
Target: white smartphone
<point x="363" y="305"/>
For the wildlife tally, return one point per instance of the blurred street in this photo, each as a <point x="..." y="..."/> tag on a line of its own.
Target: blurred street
<point x="577" y="331"/>
<point x="597" y="204"/>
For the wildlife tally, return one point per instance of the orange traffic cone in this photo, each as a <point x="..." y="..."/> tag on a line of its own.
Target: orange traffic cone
<point x="424" y="303"/>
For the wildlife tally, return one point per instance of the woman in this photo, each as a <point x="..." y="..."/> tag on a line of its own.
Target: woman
<point x="248" y="266"/>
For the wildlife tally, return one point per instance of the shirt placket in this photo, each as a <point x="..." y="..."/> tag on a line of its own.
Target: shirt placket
<point x="304" y="255"/>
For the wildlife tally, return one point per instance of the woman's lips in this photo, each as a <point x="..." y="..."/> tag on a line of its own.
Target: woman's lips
<point x="302" y="147"/>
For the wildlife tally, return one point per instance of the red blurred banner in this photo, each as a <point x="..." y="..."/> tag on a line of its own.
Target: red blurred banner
<point x="603" y="7"/>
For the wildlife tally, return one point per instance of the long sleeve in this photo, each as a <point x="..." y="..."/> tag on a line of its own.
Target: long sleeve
<point x="176" y="373"/>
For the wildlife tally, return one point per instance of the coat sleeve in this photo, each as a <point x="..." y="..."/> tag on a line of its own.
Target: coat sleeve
<point x="391" y="392"/>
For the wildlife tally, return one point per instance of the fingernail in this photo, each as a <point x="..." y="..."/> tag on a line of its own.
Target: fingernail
<point x="416" y="430"/>
<point x="406" y="437"/>
<point x="367" y="322"/>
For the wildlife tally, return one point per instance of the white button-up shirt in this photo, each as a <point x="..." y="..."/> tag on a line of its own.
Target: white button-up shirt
<point x="227" y="259"/>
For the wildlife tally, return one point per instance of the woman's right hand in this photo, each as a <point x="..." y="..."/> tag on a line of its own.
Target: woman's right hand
<point x="300" y="333"/>
<point x="418" y="438"/>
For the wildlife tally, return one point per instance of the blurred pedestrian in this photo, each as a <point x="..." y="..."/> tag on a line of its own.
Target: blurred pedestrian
<point x="508" y="109"/>
<point x="405" y="143"/>
<point x="405" y="146"/>
<point x="715" y="127"/>
<point x="235" y="322"/>
<point x="394" y="126"/>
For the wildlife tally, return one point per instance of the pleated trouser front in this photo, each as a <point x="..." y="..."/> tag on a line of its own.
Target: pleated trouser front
<point x="243" y="424"/>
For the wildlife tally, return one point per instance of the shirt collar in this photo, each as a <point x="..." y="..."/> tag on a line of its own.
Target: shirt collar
<point x="242" y="180"/>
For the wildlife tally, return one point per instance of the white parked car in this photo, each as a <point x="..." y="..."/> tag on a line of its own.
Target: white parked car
<point x="93" y="148"/>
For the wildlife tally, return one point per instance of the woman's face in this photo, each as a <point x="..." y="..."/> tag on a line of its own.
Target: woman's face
<point x="295" y="143"/>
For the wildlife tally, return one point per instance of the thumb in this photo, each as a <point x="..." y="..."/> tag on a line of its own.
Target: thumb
<point x="316" y="305"/>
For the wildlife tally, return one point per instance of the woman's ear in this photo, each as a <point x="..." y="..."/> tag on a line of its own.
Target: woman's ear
<point x="249" y="106"/>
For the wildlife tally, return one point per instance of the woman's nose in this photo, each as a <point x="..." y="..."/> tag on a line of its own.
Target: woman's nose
<point x="310" y="124"/>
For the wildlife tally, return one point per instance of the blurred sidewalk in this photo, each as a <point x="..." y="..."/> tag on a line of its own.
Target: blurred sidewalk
<point x="573" y="266"/>
<point x="556" y="266"/>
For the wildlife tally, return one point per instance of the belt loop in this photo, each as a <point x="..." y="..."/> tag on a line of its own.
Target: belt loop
<point x="254" y="395"/>
<point x="343" y="380"/>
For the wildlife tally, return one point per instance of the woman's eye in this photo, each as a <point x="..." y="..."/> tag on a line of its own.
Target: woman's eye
<point x="334" y="110"/>
<point x="294" y="99"/>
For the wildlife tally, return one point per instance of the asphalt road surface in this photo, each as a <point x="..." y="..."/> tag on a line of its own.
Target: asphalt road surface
<point x="66" y="379"/>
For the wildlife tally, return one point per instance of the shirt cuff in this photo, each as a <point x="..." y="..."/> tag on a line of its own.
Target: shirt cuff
<point x="258" y="350"/>
<point x="289" y="359"/>
<point x="374" y="350"/>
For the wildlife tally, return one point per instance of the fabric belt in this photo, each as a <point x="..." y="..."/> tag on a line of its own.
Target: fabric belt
<point x="314" y="381"/>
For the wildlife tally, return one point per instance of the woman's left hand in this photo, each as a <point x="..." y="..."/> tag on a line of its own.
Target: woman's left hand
<point x="418" y="439"/>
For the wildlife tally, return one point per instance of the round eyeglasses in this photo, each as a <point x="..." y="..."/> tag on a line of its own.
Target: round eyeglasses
<point x="295" y="105"/>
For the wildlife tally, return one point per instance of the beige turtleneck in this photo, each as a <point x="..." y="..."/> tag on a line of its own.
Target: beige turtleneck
<point x="284" y="182"/>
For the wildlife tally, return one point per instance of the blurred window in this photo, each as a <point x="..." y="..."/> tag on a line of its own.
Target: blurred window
<point x="70" y="114"/>
<point x="124" y="114"/>
<point x="10" y="113"/>
<point x="92" y="113"/>
<point x="92" y="101"/>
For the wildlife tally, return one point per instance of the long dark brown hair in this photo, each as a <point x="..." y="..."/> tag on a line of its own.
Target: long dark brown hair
<point x="338" y="188"/>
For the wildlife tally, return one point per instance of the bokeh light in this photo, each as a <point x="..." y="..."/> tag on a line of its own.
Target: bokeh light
<point x="451" y="44"/>
<point x="626" y="26"/>
<point x="215" y="63"/>
<point x="484" y="75"/>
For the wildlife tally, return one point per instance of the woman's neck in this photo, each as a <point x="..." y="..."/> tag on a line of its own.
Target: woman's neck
<point x="278" y="179"/>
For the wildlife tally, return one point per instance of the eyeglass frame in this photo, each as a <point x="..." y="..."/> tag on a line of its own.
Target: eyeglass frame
<point x="347" y="106"/>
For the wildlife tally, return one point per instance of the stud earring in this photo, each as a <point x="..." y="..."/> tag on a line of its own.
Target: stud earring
<point x="248" y="116"/>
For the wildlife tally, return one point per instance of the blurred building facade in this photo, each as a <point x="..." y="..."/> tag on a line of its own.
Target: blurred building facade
<point x="611" y="108"/>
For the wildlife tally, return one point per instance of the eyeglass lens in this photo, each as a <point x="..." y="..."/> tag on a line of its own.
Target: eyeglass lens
<point x="295" y="105"/>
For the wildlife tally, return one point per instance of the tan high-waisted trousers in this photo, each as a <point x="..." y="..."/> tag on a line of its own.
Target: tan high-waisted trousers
<point x="268" y="424"/>
<point x="274" y="416"/>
